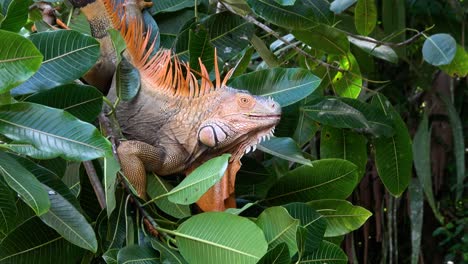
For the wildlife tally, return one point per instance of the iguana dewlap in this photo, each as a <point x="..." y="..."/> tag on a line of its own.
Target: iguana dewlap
<point x="177" y="122"/>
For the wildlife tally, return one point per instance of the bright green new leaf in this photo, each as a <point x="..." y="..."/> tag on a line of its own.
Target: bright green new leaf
<point x="19" y="60"/>
<point x="459" y="65"/>
<point x="286" y="85"/>
<point x="52" y="130"/>
<point x="365" y="16"/>
<point x="342" y="217"/>
<point x="69" y="222"/>
<point x="326" y="178"/>
<point x="215" y="237"/>
<point x="278" y="227"/>
<point x="393" y="155"/>
<point x="348" y="83"/>
<point x="199" y="181"/>
<point x="439" y="49"/>
<point x="284" y="148"/>
<point x="24" y="183"/>
<point x="61" y="48"/>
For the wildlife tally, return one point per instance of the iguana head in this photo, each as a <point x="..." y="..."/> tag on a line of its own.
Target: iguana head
<point x="239" y="121"/>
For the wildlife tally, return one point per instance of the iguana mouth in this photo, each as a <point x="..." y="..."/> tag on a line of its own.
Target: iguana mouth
<point x="260" y="138"/>
<point x="261" y="116"/>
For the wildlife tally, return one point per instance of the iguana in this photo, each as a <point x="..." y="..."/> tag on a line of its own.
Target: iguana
<point x="176" y="122"/>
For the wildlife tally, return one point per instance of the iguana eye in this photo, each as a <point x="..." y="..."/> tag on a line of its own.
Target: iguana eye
<point x="245" y="101"/>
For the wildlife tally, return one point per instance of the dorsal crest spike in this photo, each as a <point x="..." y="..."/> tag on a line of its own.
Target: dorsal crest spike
<point x="162" y="71"/>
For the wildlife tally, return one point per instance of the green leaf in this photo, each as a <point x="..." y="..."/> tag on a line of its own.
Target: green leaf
<point x="422" y="165"/>
<point x="264" y="52"/>
<point x="229" y="33"/>
<point x="82" y="101"/>
<point x="350" y="113"/>
<point x="393" y="155"/>
<point x="348" y="83"/>
<point x="110" y="256"/>
<point x="439" y="49"/>
<point x="243" y="62"/>
<point x="113" y="232"/>
<point x="459" y="65"/>
<point x="52" y="130"/>
<point x="285" y="86"/>
<point x="327" y="178"/>
<point x="8" y="210"/>
<point x="138" y="255"/>
<point x="344" y="144"/>
<point x="365" y="16"/>
<point x="80" y="23"/>
<point x="382" y="52"/>
<point x="168" y="255"/>
<point x="16" y="16"/>
<point x="393" y="17"/>
<point x="327" y="253"/>
<point x="34" y="242"/>
<point x="69" y="222"/>
<point x="303" y="14"/>
<point x="158" y="187"/>
<point x="458" y="143"/>
<point x="19" y="60"/>
<point x="313" y="223"/>
<point x="338" y="6"/>
<point x="111" y="168"/>
<point x="200" y="48"/>
<point x="416" y="215"/>
<point x="306" y="129"/>
<point x="24" y="183"/>
<point x="278" y="227"/>
<point x="170" y="6"/>
<point x="29" y="150"/>
<point x="324" y="38"/>
<point x="218" y="237"/>
<point x="342" y="217"/>
<point x="284" y="148"/>
<point x="199" y="181"/>
<point x="61" y="48"/>
<point x="277" y="255"/>
<point x="127" y="80"/>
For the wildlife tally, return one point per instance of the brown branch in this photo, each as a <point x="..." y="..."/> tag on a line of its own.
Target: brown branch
<point x="270" y="31"/>
<point x="96" y="183"/>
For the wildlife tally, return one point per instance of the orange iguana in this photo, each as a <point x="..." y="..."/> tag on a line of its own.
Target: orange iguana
<point x="176" y="122"/>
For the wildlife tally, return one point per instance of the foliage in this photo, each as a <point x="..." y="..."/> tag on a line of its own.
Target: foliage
<point x="339" y="70"/>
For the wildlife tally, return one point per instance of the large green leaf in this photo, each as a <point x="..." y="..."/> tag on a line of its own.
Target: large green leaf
<point x="326" y="178"/>
<point x="302" y="15"/>
<point x="69" y="222"/>
<point x="62" y="49"/>
<point x="344" y="144"/>
<point x="157" y="187"/>
<point x="33" y="242"/>
<point x="439" y="49"/>
<point x="24" y="183"/>
<point x="382" y="52"/>
<point x="168" y="255"/>
<point x="19" y="60"/>
<point x="29" y="150"/>
<point x="112" y="229"/>
<point x="284" y="148"/>
<point x="458" y="143"/>
<point x="422" y="165"/>
<point x="278" y="227"/>
<point x="16" y="16"/>
<point x="200" y="48"/>
<point x="459" y="65"/>
<point x="170" y="5"/>
<point x="229" y="33"/>
<point x="365" y="16"/>
<point x="8" y="210"/>
<point x="52" y="130"/>
<point x="313" y="223"/>
<point x="82" y="101"/>
<point x="286" y="86"/>
<point x="348" y="83"/>
<point x="393" y="155"/>
<point x="277" y="255"/>
<point x="327" y="253"/>
<point x="220" y="238"/>
<point x="138" y="255"/>
<point x="349" y="113"/>
<point x="199" y="181"/>
<point x="326" y="38"/>
<point x="342" y="217"/>
<point x="111" y="168"/>
<point x="127" y="80"/>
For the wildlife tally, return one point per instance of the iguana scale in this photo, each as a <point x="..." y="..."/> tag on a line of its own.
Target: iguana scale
<point x="176" y="122"/>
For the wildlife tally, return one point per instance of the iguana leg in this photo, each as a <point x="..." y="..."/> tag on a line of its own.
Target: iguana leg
<point x="136" y="158"/>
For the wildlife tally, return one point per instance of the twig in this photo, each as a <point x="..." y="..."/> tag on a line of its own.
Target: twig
<point x="391" y="44"/>
<point x="97" y="186"/>
<point x="270" y="31"/>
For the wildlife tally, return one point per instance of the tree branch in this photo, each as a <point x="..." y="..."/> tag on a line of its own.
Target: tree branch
<point x="95" y="182"/>
<point x="390" y="44"/>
